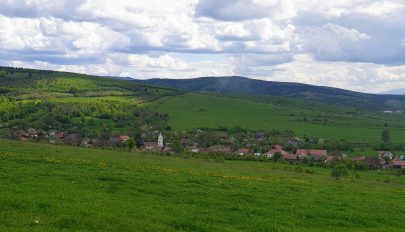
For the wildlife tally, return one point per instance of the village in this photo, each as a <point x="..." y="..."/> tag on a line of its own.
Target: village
<point x="221" y="144"/>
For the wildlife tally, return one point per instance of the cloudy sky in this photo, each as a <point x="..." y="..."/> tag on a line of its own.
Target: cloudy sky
<point x="352" y="44"/>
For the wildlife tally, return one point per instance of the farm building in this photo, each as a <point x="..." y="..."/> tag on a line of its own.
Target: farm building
<point x="123" y="138"/>
<point x="398" y="163"/>
<point x="386" y="154"/>
<point x="152" y="146"/>
<point x="274" y="150"/>
<point x="316" y="154"/>
<point x="291" y="157"/>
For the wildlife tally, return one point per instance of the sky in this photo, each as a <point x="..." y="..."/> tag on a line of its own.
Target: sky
<point x="352" y="44"/>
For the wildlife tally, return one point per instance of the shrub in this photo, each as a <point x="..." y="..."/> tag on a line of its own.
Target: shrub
<point x="339" y="171"/>
<point x="130" y="144"/>
<point x="308" y="171"/>
<point x="277" y="157"/>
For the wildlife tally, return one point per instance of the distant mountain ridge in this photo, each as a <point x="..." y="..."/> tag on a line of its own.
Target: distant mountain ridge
<point x="395" y="92"/>
<point x="244" y="85"/>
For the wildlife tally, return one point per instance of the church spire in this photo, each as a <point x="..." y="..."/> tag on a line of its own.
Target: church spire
<point x="160" y="140"/>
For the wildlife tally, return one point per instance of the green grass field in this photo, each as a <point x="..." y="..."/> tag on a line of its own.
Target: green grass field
<point x="196" y="110"/>
<point x="57" y="188"/>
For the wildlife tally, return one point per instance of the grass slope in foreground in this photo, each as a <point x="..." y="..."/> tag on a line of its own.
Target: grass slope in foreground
<point x="55" y="188"/>
<point x="198" y="111"/>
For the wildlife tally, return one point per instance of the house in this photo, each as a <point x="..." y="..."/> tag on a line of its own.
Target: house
<point x="167" y="150"/>
<point x="386" y="155"/>
<point x="279" y="149"/>
<point x="257" y="154"/>
<point x="260" y="135"/>
<point x="220" y="149"/>
<point x="398" y="163"/>
<point x="274" y="150"/>
<point x="243" y="151"/>
<point x="152" y="147"/>
<point x="32" y="132"/>
<point x="52" y="133"/>
<point x="115" y="141"/>
<point x="72" y="139"/>
<point x="223" y="136"/>
<point x="123" y="138"/>
<point x="291" y="157"/>
<point x="332" y="159"/>
<point x="60" y="135"/>
<point x="24" y="136"/>
<point x="315" y="154"/>
<point x="86" y="143"/>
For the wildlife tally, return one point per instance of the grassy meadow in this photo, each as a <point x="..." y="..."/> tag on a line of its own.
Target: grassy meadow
<point x="57" y="188"/>
<point x="198" y="110"/>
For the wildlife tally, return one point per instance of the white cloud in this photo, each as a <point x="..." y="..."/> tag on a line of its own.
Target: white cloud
<point x="357" y="76"/>
<point x="380" y="8"/>
<point x="345" y="42"/>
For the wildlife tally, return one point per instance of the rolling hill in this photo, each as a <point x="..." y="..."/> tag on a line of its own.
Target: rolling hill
<point x="197" y="110"/>
<point x="243" y="85"/>
<point x="90" y="105"/>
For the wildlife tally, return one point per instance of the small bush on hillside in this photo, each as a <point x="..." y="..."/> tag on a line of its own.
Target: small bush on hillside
<point x="277" y="157"/>
<point x="340" y="171"/>
<point x="308" y="171"/>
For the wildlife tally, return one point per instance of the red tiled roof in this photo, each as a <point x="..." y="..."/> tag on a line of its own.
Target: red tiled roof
<point x="398" y="162"/>
<point x="123" y="138"/>
<point x="278" y="147"/>
<point x="311" y="152"/>
<point x="290" y="156"/>
<point x="273" y="151"/>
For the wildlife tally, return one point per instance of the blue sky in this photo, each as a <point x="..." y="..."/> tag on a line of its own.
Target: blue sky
<point x="352" y="44"/>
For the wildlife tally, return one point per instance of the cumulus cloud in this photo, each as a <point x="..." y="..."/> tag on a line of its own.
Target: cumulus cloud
<point x="347" y="43"/>
<point x="229" y="10"/>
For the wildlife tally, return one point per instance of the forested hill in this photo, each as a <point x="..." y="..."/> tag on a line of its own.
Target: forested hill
<point x="243" y="85"/>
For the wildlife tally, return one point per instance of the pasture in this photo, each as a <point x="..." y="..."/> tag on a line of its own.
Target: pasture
<point x="198" y="111"/>
<point x="57" y="188"/>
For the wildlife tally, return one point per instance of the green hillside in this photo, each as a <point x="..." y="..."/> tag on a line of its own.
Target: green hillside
<point x="94" y="107"/>
<point x="57" y="188"/>
<point x="321" y="94"/>
<point x="75" y="103"/>
<point x="198" y="110"/>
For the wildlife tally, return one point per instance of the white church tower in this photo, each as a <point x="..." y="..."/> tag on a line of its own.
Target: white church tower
<point x="160" y="140"/>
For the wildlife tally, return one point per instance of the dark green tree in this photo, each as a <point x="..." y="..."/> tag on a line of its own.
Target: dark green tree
<point x="176" y="145"/>
<point x="138" y="140"/>
<point x="385" y="136"/>
<point x="130" y="144"/>
<point x="277" y="156"/>
<point x="339" y="171"/>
